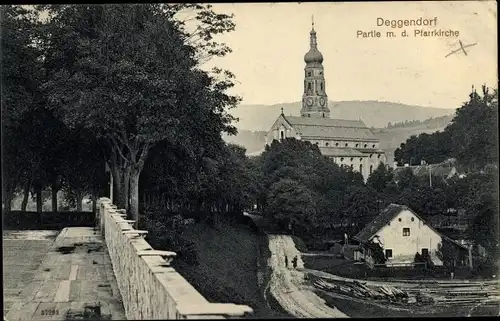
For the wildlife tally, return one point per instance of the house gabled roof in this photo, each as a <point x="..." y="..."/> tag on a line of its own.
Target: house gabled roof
<point x="384" y="217"/>
<point x="387" y="215"/>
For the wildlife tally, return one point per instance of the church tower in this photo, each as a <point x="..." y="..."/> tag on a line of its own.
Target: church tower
<point x="314" y="99"/>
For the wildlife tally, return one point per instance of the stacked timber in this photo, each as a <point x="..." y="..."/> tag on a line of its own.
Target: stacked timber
<point x="360" y="290"/>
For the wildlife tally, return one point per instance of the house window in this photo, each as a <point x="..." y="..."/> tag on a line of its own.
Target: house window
<point x="326" y="144"/>
<point x="388" y="253"/>
<point x="371" y="169"/>
<point x="308" y="74"/>
<point x="378" y="156"/>
<point x="308" y="115"/>
<point x="425" y="252"/>
<point x="361" y="168"/>
<point x="406" y="231"/>
<point x="282" y="135"/>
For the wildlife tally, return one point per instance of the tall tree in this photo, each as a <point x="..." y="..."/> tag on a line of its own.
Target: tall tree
<point x="20" y="97"/>
<point x="290" y="203"/>
<point x="126" y="73"/>
<point x="474" y="130"/>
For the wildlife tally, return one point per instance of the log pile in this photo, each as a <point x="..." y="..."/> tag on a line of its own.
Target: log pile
<point x="360" y="290"/>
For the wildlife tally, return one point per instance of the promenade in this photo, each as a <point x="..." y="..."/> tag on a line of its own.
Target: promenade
<point x="66" y="278"/>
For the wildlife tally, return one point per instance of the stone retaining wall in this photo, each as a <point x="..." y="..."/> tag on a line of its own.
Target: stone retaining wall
<point x="149" y="286"/>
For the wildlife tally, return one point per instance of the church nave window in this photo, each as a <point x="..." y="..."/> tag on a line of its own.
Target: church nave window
<point x="346" y="144"/>
<point x="321" y="86"/>
<point x="308" y="74"/>
<point x="357" y="145"/>
<point x="366" y="145"/>
<point x="342" y="159"/>
<point x="337" y="144"/>
<point x="326" y="144"/>
<point x="373" y="145"/>
<point x="352" y="159"/>
<point x="360" y="159"/>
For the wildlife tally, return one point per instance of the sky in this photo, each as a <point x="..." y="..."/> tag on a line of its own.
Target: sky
<point x="271" y="39"/>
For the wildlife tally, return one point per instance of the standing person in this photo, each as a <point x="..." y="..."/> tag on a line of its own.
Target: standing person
<point x="286" y="261"/>
<point x="294" y="262"/>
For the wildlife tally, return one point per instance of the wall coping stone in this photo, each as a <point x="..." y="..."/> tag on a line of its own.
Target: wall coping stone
<point x="141" y="271"/>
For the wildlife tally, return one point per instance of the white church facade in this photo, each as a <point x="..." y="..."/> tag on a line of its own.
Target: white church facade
<point x="347" y="142"/>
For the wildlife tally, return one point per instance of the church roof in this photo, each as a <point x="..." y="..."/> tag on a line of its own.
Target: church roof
<point x="313" y="127"/>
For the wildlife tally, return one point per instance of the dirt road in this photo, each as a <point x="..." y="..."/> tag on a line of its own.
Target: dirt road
<point x="287" y="284"/>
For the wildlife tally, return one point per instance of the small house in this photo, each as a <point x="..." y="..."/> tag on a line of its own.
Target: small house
<point x="402" y="233"/>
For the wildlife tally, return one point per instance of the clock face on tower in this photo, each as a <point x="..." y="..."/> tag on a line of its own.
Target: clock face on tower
<point x="309" y="101"/>
<point x="322" y="101"/>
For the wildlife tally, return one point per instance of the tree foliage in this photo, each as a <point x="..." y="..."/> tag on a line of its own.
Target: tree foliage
<point x="471" y="137"/>
<point x="128" y="74"/>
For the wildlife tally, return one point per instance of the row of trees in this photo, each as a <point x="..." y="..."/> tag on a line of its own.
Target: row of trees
<point x="95" y="83"/>
<point x="471" y="137"/>
<point x="39" y="150"/>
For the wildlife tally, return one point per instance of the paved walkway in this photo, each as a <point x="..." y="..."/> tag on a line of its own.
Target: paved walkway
<point x="23" y="252"/>
<point x="74" y="281"/>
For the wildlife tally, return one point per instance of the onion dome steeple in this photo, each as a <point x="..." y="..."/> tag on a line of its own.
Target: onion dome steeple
<point x="313" y="55"/>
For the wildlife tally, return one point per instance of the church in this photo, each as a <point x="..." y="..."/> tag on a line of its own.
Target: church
<point x="347" y="142"/>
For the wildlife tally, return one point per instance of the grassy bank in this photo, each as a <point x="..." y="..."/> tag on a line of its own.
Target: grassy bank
<point x="227" y="270"/>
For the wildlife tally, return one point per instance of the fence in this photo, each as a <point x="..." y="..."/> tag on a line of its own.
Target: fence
<point x="19" y="220"/>
<point x="149" y="286"/>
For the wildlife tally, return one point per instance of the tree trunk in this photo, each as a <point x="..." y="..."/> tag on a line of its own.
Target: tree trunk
<point x="117" y="189"/>
<point x="79" y="200"/>
<point x="39" y="202"/>
<point x="8" y="201"/>
<point x="54" y="197"/>
<point x="134" y="196"/>
<point x="26" y="196"/>
<point x="121" y="180"/>
<point x="94" y="202"/>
